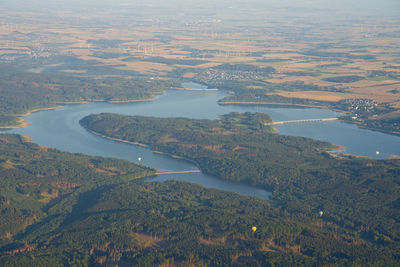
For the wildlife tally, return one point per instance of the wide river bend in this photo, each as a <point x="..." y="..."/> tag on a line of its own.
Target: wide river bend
<point x="60" y="128"/>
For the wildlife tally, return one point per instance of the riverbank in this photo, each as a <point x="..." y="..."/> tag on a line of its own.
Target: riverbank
<point x="21" y="122"/>
<point x="142" y="145"/>
<point x="116" y="139"/>
<point x="132" y="100"/>
<point x="342" y="155"/>
<point x="195" y="89"/>
<point x="108" y="101"/>
<point x="173" y="104"/>
<point x="364" y="125"/>
<point x="269" y="104"/>
<point x="360" y="124"/>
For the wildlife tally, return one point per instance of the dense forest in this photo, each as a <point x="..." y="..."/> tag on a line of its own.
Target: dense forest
<point x="62" y="209"/>
<point x="344" y="79"/>
<point x="22" y="91"/>
<point x="389" y="124"/>
<point x="36" y="179"/>
<point x="358" y="196"/>
<point x="321" y="207"/>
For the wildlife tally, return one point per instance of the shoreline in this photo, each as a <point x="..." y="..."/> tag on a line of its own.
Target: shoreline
<point x="116" y="139"/>
<point x="142" y="145"/>
<point x="37" y="110"/>
<point x="362" y="126"/>
<point x="288" y="105"/>
<point x="274" y="130"/>
<point x="281" y="104"/>
<point x="175" y="157"/>
<point x="21" y="122"/>
<point x="131" y="101"/>
<point x="106" y="101"/>
<point x="26" y="138"/>
<point x="269" y="103"/>
<point x="195" y="89"/>
<point x="337" y="154"/>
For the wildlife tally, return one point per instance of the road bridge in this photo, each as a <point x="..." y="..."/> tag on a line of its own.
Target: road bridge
<point x="300" y="121"/>
<point x="175" y="172"/>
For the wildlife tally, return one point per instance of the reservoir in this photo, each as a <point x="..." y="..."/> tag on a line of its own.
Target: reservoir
<point x="59" y="128"/>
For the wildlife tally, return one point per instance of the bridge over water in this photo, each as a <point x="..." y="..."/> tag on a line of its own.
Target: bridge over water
<point x="301" y="121"/>
<point x="176" y="172"/>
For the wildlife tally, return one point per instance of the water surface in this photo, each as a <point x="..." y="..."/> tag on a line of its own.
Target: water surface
<point x="60" y="128"/>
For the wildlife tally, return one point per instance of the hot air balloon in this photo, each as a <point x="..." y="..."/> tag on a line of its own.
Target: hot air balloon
<point x="254" y="229"/>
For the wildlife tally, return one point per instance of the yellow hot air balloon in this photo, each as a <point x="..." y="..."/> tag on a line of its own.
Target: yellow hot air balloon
<point x="254" y="228"/>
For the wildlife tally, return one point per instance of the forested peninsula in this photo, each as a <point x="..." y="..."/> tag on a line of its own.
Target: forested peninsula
<point x="23" y="92"/>
<point x="356" y="197"/>
<point x="69" y="209"/>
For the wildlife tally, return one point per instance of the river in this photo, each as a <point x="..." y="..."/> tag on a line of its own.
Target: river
<point x="60" y="128"/>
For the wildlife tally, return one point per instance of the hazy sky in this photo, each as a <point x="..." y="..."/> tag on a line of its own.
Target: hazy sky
<point x="339" y="4"/>
<point x="384" y="7"/>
